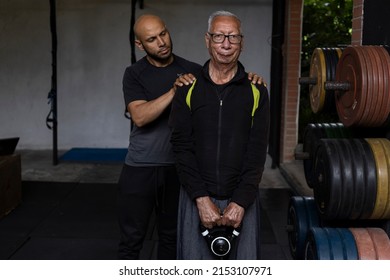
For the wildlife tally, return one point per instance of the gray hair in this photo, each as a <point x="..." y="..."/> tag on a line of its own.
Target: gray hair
<point x="221" y="13"/>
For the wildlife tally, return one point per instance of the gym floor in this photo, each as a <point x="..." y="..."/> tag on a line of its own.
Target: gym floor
<point x="68" y="212"/>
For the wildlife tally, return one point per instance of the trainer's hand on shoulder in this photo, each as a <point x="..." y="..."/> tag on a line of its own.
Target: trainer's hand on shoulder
<point x="183" y="79"/>
<point x="256" y="79"/>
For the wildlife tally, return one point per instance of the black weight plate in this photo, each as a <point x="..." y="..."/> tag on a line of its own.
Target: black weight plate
<point x="327" y="190"/>
<point x="370" y="179"/>
<point x="347" y="179"/>
<point x="330" y="102"/>
<point x="312" y="134"/>
<point x="358" y="162"/>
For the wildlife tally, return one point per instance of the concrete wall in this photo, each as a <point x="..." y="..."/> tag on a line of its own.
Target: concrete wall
<point x="93" y="51"/>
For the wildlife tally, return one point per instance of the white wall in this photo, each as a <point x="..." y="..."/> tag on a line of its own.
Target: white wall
<point x="93" y="51"/>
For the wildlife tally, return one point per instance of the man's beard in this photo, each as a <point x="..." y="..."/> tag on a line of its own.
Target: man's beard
<point x="158" y="58"/>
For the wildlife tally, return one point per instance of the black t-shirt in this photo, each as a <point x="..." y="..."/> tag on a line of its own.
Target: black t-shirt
<point x="150" y="144"/>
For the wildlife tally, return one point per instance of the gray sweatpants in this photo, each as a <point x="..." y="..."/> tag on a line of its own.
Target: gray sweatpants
<point x="191" y="244"/>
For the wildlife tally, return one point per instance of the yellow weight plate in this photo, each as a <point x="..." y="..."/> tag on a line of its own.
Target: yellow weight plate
<point x="382" y="177"/>
<point x="386" y="147"/>
<point x="317" y="70"/>
<point x="339" y="52"/>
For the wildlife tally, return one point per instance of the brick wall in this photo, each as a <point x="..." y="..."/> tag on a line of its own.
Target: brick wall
<point x="357" y="22"/>
<point x="291" y="65"/>
<point x="291" y="70"/>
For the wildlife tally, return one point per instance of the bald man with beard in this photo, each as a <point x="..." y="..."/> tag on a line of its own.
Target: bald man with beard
<point x="148" y="180"/>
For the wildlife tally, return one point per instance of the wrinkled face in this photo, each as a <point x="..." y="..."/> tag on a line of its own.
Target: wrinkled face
<point x="224" y="52"/>
<point x="154" y="38"/>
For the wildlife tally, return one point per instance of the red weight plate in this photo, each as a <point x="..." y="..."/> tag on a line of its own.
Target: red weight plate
<point x="364" y="244"/>
<point x="351" y="104"/>
<point x="385" y="108"/>
<point x="384" y="69"/>
<point x="374" y="93"/>
<point x="381" y="243"/>
<point x="367" y="88"/>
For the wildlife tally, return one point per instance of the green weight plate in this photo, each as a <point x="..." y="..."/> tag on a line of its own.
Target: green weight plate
<point x="337" y="131"/>
<point x="328" y="130"/>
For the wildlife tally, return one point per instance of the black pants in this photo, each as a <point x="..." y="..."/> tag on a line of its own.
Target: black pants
<point x="142" y="190"/>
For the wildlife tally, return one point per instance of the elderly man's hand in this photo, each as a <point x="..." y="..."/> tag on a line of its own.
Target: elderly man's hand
<point x="233" y="215"/>
<point x="209" y="213"/>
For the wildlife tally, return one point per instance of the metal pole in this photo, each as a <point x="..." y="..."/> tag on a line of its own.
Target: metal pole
<point x="53" y="92"/>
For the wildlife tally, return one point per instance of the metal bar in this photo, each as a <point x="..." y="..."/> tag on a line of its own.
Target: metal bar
<point x="53" y="93"/>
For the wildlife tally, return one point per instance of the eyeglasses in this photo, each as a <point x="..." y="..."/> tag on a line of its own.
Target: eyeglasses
<point x="220" y="38"/>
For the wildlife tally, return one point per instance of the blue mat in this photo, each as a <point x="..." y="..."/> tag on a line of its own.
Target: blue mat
<point x="114" y="155"/>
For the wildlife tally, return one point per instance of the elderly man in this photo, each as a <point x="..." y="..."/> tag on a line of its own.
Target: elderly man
<point x="220" y="129"/>
<point x="149" y="181"/>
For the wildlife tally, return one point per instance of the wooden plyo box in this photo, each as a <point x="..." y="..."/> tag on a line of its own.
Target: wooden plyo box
<point x="10" y="183"/>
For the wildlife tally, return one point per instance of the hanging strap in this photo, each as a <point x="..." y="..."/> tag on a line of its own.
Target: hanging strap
<point x="132" y="21"/>
<point x="132" y="42"/>
<point x="51" y="119"/>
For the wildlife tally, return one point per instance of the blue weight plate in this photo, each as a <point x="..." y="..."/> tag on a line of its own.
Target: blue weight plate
<point x="349" y="245"/>
<point x="335" y="244"/>
<point x="317" y="245"/>
<point x="302" y="215"/>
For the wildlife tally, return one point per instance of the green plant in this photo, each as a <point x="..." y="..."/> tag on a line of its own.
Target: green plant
<point x="326" y="24"/>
